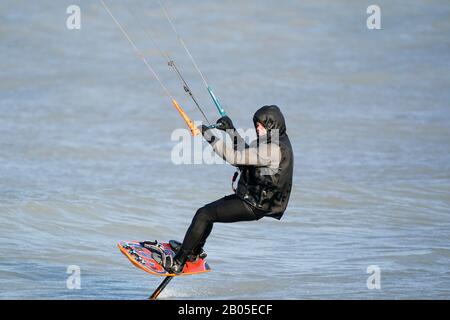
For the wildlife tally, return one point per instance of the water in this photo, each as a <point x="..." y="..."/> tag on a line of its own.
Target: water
<point x="85" y="148"/>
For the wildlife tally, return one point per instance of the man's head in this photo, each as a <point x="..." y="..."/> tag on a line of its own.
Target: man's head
<point x="269" y="118"/>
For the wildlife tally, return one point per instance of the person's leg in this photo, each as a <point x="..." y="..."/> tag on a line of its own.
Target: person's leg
<point x="228" y="209"/>
<point x="198" y="249"/>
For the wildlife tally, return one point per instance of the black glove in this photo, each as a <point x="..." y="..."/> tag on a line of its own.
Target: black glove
<point x="224" y="124"/>
<point x="207" y="133"/>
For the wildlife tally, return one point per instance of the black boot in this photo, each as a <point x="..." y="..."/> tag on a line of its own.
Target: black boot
<point x="178" y="263"/>
<point x="198" y="253"/>
<point x="202" y="254"/>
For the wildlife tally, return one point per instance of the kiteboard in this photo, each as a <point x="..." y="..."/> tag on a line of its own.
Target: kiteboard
<point x="152" y="256"/>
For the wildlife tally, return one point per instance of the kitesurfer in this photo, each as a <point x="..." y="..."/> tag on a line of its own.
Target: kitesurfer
<point x="264" y="186"/>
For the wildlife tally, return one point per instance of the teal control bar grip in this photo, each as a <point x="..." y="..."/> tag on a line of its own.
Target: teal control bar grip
<point x="217" y="103"/>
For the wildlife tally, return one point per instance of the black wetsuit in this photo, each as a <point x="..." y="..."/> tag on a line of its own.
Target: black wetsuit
<point x="227" y="209"/>
<point x="258" y="194"/>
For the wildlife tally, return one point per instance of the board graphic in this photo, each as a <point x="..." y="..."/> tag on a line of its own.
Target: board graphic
<point x="145" y="257"/>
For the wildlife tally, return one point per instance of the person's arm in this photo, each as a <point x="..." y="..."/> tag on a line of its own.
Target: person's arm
<point x="262" y="156"/>
<point x="238" y="142"/>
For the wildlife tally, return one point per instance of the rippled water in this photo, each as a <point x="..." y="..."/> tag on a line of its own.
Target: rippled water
<point x="85" y="148"/>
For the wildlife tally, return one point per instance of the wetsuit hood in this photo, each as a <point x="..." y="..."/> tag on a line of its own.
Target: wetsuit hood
<point x="271" y="118"/>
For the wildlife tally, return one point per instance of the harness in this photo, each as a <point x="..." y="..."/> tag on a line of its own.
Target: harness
<point x="233" y="180"/>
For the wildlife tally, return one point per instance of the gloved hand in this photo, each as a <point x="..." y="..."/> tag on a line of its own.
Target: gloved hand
<point x="224" y="124"/>
<point x="207" y="133"/>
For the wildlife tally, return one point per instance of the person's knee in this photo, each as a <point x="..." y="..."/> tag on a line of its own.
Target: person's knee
<point x="203" y="215"/>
